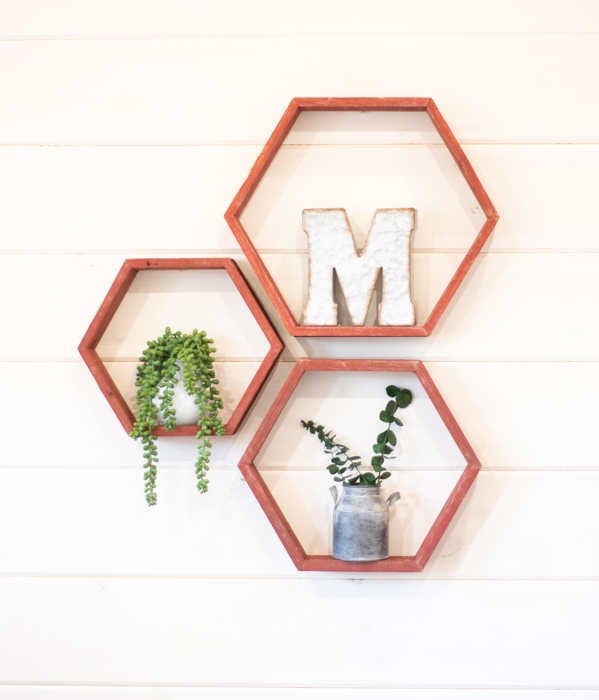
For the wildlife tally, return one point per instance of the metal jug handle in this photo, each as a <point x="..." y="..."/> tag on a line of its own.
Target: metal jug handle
<point x="392" y="498"/>
<point x="334" y="494"/>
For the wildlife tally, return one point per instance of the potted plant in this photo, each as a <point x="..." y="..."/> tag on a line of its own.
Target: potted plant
<point x="361" y="516"/>
<point x="171" y="360"/>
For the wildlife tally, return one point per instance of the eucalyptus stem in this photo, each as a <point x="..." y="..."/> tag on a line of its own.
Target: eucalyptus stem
<point x="344" y="468"/>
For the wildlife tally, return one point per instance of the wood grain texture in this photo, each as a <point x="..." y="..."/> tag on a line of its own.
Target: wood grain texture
<point x="354" y="104"/>
<point x="137" y="195"/>
<point x="180" y="18"/>
<point x="119" y="92"/>
<point x="307" y="561"/>
<point x="198" y="598"/>
<point x="530" y="433"/>
<point x="85" y="521"/>
<point x="170" y="692"/>
<point x="488" y="320"/>
<point x="496" y="314"/>
<point x="107" y="632"/>
<point x="115" y="298"/>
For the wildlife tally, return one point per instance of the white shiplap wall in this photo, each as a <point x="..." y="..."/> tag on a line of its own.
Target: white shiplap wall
<point x="126" y="130"/>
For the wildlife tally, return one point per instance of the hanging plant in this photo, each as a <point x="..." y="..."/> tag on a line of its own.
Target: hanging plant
<point x="349" y="470"/>
<point x="189" y="357"/>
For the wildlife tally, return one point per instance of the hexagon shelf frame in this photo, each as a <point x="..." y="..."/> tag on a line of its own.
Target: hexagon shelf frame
<point x="355" y="104"/>
<point x="110" y="305"/>
<point x="307" y="562"/>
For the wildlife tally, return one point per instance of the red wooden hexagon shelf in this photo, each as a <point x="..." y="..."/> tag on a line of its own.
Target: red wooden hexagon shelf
<point x="274" y="143"/>
<point x="307" y="562"/>
<point x="111" y="303"/>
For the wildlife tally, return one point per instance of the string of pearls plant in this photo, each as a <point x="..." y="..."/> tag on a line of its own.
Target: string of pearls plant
<point x="156" y="377"/>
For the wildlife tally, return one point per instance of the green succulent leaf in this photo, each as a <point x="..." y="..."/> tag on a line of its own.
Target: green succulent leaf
<point x="156" y="372"/>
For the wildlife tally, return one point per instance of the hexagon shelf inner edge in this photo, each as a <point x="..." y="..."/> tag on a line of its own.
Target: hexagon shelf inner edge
<point x="113" y="300"/>
<point x="274" y="143"/>
<point x="306" y="562"/>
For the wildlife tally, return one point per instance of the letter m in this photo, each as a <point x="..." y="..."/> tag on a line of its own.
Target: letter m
<point x="331" y="246"/>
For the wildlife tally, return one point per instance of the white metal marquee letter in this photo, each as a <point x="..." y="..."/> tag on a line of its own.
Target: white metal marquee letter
<point x="331" y="246"/>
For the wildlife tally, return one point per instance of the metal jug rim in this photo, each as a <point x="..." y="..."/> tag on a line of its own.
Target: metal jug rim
<point x="361" y="486"/>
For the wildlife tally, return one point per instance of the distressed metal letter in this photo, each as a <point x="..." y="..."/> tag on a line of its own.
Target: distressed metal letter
<point x="331" y="246"/>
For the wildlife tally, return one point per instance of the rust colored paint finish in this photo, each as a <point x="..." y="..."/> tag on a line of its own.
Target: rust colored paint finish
<point x="116" y="294"/>
<point x="345" y="104"/>
<point x="306" y="562"/>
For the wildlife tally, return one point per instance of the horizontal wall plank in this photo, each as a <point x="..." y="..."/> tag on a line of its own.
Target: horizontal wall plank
<point x="184" y="299"/>
<point x="162" y="692"/>
<point x="172" y="199"/>
<point x="75" y="287"/>
<point x="95" y="522"/>
<point x="525" y="183"/>
<point x="158" y="113"/>
<point x="168" y="91"/>
<point x="164" y="631"/>
<point x="95" y="436"/>
<point x="516" y="416"/>
<point x="180" y="18"/>
<point x="349" y="403"/>
<point x="509" y="307"/>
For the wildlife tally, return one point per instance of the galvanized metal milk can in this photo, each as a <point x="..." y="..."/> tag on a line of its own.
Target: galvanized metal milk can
<point x="361" y="523"/>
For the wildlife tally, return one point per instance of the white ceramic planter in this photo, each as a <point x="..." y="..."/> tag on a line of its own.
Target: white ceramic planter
<point x="184" y="404"/>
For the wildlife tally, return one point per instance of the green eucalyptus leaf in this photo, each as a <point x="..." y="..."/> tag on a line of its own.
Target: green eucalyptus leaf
<point x="369" y="477"/>
<point x="376" y="461"/>
<point x="392" y="438"/>
<point x="392" y="390"/>
<point x="404" y="398"/>
<point x="391" y="407"/>
<point x="385" y="417"/>
<point x="385" y="475"/>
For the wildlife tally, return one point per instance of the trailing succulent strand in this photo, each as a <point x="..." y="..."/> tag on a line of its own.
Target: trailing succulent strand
<point x="346" y="469"/>
<point x="156" y="377"/>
